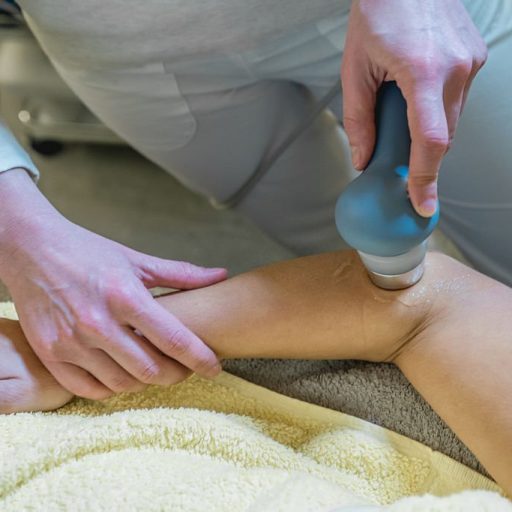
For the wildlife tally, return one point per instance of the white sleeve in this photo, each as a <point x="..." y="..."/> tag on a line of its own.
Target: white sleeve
<point x="12" y="155"/>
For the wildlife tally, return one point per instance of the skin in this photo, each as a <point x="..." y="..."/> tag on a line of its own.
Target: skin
<point x="432" y="49"/>
<point x="450" y="335"/>
<point x="79" y="296"/>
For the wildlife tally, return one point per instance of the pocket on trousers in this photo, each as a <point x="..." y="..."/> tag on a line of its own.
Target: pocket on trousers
<point x="143" y="105"/>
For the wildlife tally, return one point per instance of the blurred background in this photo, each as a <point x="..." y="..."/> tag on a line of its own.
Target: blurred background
<point x="100" y="183"/>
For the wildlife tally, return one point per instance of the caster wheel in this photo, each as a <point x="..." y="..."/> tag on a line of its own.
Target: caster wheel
<point x="46" y="147"/>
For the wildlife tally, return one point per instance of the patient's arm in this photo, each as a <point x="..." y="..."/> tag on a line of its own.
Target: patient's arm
<point x="450" y="334"/>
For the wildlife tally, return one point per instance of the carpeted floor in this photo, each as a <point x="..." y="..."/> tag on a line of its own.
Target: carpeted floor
<point x="376" y="392"/>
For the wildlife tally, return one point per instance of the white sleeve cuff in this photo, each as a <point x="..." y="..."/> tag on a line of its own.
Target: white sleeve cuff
<point x="12" y="155"/>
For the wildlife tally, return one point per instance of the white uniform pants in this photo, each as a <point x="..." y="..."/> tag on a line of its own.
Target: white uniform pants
<point x="210" y="119"/>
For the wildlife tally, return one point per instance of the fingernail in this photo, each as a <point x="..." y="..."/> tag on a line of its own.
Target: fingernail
<point x="427" y="208"/>
<point x="215" y="371"/>
<point x="356" y="157"/>
<point x="216" y="270"/>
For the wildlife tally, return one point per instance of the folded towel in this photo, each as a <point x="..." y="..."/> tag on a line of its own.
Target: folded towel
<point x="223" y="444"/>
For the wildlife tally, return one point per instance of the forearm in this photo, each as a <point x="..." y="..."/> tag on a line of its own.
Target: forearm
<point x="19" y="196"/>
<point x="12" y="155"/>
<point x="24" y="215"/>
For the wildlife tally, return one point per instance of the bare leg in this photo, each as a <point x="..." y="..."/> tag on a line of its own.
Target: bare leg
<point x="450" y="334"/>
<point x="462" y="364"/>
<point x="317" y="307"/>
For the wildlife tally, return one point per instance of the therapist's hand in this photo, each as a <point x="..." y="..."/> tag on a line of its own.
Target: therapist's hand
<point x="432" y="49"/>
<point x="84" y="305"/>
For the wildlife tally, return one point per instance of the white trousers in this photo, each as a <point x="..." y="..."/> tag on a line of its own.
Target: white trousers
<point x="210" y="119"/>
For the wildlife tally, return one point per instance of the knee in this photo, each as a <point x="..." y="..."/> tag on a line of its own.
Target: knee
<point x="448" y="293"/>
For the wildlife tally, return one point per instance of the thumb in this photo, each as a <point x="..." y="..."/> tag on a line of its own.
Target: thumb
<point x="182" y="275"/>
<point x="359" y="92"/>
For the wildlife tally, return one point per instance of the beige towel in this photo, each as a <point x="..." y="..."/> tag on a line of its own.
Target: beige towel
<point x="223" y="445"/>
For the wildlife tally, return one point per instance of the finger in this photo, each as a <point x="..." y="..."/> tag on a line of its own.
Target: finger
<point x="465" y="93"/>
<point x="429" y="143"/>
<point x="145" y="363"/>
<point x="454" y="90"/>
<point x="101" y="366"/>
<point x="172" y="338"/>
<point x="78" y="381"/>
<point x="477" y="65"/>
<point x="452" y="99"/>
<point x="359" y="92"/>
<point x="174" y="274"/>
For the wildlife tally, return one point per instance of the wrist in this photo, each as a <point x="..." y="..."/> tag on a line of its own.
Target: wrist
<point x="24" y="215"/>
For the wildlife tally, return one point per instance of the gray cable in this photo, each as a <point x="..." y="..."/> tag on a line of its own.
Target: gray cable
<point x="270" y="159"/>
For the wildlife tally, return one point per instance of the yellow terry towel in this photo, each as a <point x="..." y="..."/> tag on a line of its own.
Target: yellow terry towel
<point x="223" y="445"/>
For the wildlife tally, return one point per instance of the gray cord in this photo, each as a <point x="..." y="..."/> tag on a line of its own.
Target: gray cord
<point x="270" y="159"/>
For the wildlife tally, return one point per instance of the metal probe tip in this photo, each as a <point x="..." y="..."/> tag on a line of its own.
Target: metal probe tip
<point x="396" y="272"/>
<point x="398" y="281"/>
